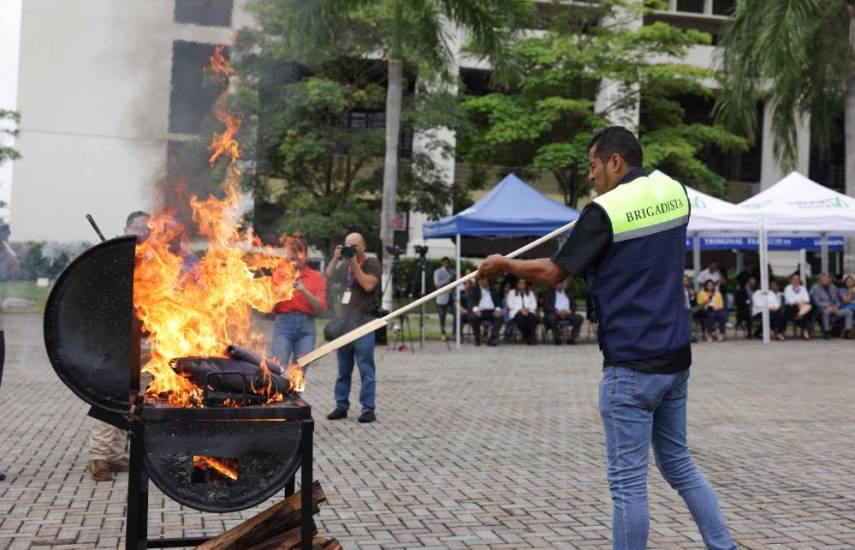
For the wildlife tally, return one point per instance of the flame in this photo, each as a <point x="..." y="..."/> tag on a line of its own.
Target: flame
<point x="295" y="374"/>
<point x="224" y="143"/>
<point x="198" y="308"/>
<point x="224" y="466"/>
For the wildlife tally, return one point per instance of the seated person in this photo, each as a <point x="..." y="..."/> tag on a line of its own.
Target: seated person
<point x="465" y="289"/>
<point x="797" y="306"/>
<point x="485" y="307"/>
<point x="558" y="308"/>
<point x="744" y="315"/>
<point x="711" y="273"/>
<point x="711" y="303"/>
<point x="690" y="305"/>
<point x="826" y="298"/>
<point x="506" y="287"/>
<point x="522" y="310"/>
<point x="847" y="294"/>
<point x="774" y="301"/>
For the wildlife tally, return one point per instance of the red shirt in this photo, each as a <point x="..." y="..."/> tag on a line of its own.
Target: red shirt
<point x="315" y="283"/>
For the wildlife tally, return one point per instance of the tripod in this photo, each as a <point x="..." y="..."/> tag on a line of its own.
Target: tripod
<point x="422" y="252"/>
<point x="403" y="330"/>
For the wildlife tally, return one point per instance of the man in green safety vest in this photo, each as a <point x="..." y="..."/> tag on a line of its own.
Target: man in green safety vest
<point x="629" y="244"/>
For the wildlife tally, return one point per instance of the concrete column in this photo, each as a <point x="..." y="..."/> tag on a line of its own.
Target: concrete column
<point x="611" y="91"/>
<point x="771" y="171"/>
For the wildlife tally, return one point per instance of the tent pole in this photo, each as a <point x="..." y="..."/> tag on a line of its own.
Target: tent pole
<point x="802" y="268"/>
<point x="823" y="251"/>
<point x="457" y="292"/>
<point x="740" y="261"/>
<point x="696" y="257"/>
<point x="764" y="280"/>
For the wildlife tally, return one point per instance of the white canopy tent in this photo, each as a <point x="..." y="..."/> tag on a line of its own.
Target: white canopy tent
<point x="798" y="205"/>
<point x="712" y="216"/>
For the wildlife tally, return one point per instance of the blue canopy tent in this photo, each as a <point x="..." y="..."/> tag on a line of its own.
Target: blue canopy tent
<point x="511" y="209"/>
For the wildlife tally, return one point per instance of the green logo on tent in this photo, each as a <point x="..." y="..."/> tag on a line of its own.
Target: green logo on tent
<point x="840" y="203"/>
<point x="698" y="202"/>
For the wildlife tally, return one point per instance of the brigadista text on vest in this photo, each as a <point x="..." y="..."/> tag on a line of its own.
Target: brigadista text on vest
<point x="640" y="278"/>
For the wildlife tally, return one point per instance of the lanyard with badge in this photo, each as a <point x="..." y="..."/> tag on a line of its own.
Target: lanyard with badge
<point x="350" y="280"/>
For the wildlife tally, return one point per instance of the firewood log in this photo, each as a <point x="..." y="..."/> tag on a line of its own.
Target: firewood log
<point x="284" y="541"/>
<point x="277" y="519"/>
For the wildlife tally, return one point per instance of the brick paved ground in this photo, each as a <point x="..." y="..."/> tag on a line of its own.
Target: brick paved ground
<point x="482" y="448"/>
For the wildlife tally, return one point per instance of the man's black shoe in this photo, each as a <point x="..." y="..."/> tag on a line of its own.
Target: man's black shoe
<point x="337" y="414"/>
<point x="557" y="342"/>
<point x="493" y="342"/>
<point x="2" y="476"/>
<point x="826" y="336"/>
<point x="571" y="342"/>
<point x="367" y="417"/>
<point x="477" y="342"/>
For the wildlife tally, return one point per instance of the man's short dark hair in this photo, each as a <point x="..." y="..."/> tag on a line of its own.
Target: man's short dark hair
<point x="445" y="259"/>
<point x="617" y="139"/>
<point x="135" y="214"/>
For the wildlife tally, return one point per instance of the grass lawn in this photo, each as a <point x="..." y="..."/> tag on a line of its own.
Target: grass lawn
<point x="24" y="289"/>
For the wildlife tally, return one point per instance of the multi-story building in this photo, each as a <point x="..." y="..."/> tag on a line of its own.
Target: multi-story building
<point x="107" y="89"/>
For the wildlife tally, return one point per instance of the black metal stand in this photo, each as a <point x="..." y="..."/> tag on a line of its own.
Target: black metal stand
<point x="137" y="526"/>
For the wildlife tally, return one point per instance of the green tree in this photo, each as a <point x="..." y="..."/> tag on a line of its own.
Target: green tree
<point x="799" y="56"/>
<point x="8" y="128"/>
<point x="311" y="101"/>
<point x="543" y="113"/>
<point x="489" y="24"/>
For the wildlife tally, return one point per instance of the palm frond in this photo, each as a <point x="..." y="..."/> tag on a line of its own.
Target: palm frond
<point x="793" y="54"/>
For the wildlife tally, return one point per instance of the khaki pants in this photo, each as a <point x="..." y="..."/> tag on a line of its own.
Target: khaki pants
<point x="106" y="442"/>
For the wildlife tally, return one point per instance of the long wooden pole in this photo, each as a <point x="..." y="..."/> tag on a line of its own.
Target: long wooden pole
<point x="371" y="326"/>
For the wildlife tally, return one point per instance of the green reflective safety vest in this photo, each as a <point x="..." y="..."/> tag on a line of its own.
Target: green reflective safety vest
<point x="645" y="206"/>
<point x="637" y="286"/>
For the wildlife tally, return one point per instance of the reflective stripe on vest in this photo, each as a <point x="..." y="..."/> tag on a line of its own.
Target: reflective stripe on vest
<point x="645" y="206"/>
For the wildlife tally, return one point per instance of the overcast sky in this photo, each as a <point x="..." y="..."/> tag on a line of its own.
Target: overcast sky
<point x="10" y="26"/>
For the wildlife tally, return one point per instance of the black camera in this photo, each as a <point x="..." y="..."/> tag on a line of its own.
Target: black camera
<point x="421" y="250"/>
<point x="348" y="251"/>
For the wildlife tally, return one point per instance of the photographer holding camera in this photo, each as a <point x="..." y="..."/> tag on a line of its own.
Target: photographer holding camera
<point x="358" y="276"/>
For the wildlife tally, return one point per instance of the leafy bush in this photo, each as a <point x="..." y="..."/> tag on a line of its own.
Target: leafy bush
<point x="46" y="259"/>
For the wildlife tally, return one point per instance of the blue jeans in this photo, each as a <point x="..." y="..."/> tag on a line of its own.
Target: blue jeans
<point x="293" y="335"/>
<point x="713" y="316"/>
<point x="638" y="409"/>
<point x="363" y="352"/>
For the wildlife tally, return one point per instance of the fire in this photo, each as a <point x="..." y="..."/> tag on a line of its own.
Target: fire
<point x="224" y="143"/>
<point x="295" y="374"/>
<point x="193" y="307"/>
<point x="224" y="466"/>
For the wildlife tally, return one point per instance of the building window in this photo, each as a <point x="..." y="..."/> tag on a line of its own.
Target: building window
<point x="212" y="13"/>
<point x="193" y="93"/>
<point x="830" y="169"/>
<point x="723" y="7"/>
<point x="376" y="120"/>
<point x="475" y="82"/>
<point x="742" y="167"/>
<point x="690" y="6"/>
